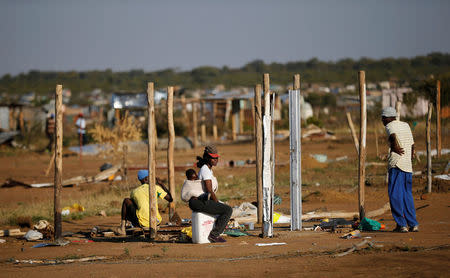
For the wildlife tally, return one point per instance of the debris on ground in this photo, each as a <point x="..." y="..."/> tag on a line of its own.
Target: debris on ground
<point x="270" y="244"/>
<point x="56" y="261"/>
<point x="33" y="235"/>
<point x="368" y="224"/>
<point x="352" y="234"/>
<point x="12" y="232"/>
<point x="313" y="132"/>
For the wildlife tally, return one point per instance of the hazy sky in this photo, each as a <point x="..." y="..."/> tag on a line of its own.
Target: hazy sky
<point x="64" y="35"/>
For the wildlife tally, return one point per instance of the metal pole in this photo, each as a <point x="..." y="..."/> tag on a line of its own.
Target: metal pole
<point x="295" y="135"/>
<point x="362" y="144"/>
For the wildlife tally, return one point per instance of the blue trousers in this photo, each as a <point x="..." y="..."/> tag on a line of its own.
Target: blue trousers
<point x="400" y="197"/>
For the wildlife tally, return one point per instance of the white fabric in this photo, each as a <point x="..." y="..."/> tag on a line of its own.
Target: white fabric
<point x="81" y="124"/>
<point x="405" y="141"/>
<point x="207" y="174"/>
<point x="191" y="189"/>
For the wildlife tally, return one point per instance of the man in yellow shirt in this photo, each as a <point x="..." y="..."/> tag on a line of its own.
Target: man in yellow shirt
<point x="136" y="208"/>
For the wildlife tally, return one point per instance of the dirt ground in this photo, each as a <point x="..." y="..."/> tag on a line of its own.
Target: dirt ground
<point x="305" y="253"/>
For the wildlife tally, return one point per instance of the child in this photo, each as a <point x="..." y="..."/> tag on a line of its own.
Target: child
<point x="192" y="187"/>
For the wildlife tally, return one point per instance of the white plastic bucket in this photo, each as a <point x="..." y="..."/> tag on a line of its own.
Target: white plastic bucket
<point x="202" y="224"/>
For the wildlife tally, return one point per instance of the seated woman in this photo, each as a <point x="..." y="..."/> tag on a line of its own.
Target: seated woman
<point x="210" y="204"/>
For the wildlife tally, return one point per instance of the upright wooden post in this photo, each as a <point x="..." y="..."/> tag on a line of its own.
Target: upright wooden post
<point x="194" y="122"/>
<point x="398" y="108"/>
<point x="438" y="118"/>
<point x="214" y="121"/>
<point x="258" y="145"/>
<point x="252" y="105"/>
<point x="362" y="144"/>
<point x="295" y="157"/>
<point x="58" y="162"/>
<point x="352" y="129"/>
<point x="170" y="149"/>
<point x="429" y="166"/>
<point x="203" y="119"/>
<point x="117" y="116"/>
<point x="233" y="125"/>
<point x="151" y="159"/>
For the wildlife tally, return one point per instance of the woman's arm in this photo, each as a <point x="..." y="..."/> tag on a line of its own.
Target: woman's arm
<point x="208" y="186"/>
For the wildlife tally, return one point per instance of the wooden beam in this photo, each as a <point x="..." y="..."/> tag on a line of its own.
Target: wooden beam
<point x="151" y="160"/>
<point x="58" y="163"/>
<point x="353" y="132"/>
<point x="170" y="150"/>
<point x="258" y="147"/>
<point x="428" y="142"/>
<point x="194" y="122"/>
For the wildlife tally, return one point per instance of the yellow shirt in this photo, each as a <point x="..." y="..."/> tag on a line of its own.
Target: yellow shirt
<point x="140" y="198"/>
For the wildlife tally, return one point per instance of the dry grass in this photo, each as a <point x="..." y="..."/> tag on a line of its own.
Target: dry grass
<point x="127" y="129"/>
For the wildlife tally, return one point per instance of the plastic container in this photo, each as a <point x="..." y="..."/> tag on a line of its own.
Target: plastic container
<point x="202" y="224"/>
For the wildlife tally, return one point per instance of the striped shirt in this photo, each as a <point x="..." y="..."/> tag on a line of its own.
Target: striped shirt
<point x="405" y="140"/>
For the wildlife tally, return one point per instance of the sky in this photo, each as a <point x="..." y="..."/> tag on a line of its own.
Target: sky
<point x="82" y="35"/>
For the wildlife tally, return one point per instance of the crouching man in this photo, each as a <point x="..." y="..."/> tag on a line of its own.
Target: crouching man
<point x="136" y="208"/>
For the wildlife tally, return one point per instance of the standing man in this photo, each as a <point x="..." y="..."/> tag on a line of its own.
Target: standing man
<point x="81" y="129"/>
<point x="400" y="157"/>
<point x="50" y="131"/>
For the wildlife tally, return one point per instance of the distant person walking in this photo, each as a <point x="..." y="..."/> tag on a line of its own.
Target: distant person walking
<point x="81" y="129"/>
<point x="400" y="157"/>
<point x="50" y="131"/>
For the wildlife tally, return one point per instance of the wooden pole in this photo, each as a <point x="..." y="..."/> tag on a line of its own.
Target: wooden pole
<point x="203" y="120"/>
<point x="428" y="142"/>
<point x="151" y="160"/>
<point x="58" y="163"/>
<point x="170" y="149"/>
<point x="117" y="116"/>
<point x="214" y="120"/>
<point x="194" y="122"/>
<point x="398" y="108"/>
<point x="352" y="130"/>
<point x="362" y="144"/>
<point x="258" y="145"/>
<point x="252" y="105"/>
<point x="438" y="118"/>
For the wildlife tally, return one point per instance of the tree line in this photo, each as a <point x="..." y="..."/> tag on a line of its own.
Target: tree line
<point x="414" y="71"/>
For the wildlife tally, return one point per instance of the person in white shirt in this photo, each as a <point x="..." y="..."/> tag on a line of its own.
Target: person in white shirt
<point x="211" y="205"/>
<point x="81" y="129"/>
<point x="401" y="153"/>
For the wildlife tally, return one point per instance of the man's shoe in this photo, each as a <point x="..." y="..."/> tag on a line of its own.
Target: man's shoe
<point x="400" y="229"/>
<point x="414" y="229"/>
<point x="214" y="239"/>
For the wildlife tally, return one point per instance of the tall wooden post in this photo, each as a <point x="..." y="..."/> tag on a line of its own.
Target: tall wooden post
<point x="438" y="118"/>
<point x="352" y="130"/>
<point x="376" y="141"/>
<point x="170" y="149"/>
<point x="233" y="125"/>
<point x="151" y="159"/>
<point x="428" y="142"/>
<point x="362" y="144"/>
<point x="117" y="116"/>
<point x="258" y="145"/>
<point x="214" y="120"/>
<point x="194" y="122"/>
<point x="203" y="119"/>
<point x="58" y="162"/>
